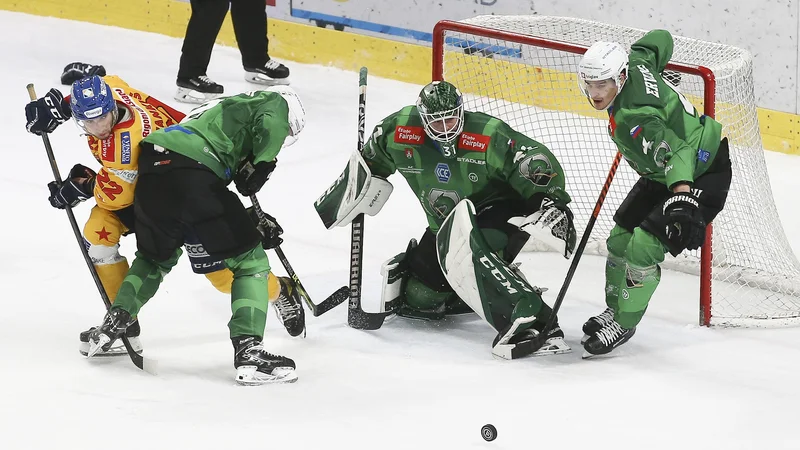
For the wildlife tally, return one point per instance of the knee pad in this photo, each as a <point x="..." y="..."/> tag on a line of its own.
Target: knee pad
<point x="221" y="279"/>
<point x="104" y="254"/>
<point x="423" y="302"/>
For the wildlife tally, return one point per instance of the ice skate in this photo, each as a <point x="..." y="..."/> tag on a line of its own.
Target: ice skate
<point x="256" y="366"/>
<point x="606" y="339"/>
<point x="117" y="348"/>
<point x="595" y="323"/>
<point x="289" y="307"/>
<point x="273" y="73"/>
<point x="197" y="90"/>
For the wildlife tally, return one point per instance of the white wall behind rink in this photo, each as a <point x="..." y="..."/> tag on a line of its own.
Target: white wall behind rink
<point x="769" y="29"/>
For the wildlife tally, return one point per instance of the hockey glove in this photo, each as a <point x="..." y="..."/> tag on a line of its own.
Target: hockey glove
<point x="268" y="227"/>
<point x="77" y="70"/>
<point x="45" y="114"/>
<point x="552" y="224"/>
<point x="78" y="187"/>
<point x="250" y="178"/>
<point x="686" y="227"/>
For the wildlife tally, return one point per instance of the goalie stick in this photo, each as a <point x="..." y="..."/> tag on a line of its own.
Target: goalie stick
<point x="146" y="364"/>
<point x="357" y="317"/>
<point x="329" y="303"/>
<point x="526" y="348"/>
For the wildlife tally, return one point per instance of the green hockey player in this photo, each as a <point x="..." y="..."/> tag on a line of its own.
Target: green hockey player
<point x="685" y="171"/>
<point x="181" y="190"/>
<point x="485" y="189"/>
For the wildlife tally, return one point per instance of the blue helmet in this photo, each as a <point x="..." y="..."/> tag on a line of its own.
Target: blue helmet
<point x="91" y="98"/>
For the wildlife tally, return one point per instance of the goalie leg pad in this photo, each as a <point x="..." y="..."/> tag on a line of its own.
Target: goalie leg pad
<point x="355" y="192"/>
<point x="480" y="278"/>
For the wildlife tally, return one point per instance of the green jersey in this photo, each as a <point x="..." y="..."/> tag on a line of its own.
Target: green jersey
<point x="489" y="162"/>
<point x="654" y="126"/>
<point x="223" y="132"/>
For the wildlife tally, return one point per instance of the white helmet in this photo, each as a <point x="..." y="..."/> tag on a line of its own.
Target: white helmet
<point x="297" y="114"/>
<point x="602" y="61"/>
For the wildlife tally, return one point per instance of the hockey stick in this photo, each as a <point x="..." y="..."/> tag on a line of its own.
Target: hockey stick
<point x="357" y="317"/>
<point x="329" y="303"/>
<point x="526" y="348"/>
<point x="148" y="365"/>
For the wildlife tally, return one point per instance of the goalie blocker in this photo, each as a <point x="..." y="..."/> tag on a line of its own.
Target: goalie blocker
<point x="356" y="191"/>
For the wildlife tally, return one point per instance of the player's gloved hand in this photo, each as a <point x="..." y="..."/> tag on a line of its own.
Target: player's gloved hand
<point x="250" y="178"/>
<point x="552" y="224"/>
<point x="268" y="227"/>
<point x="686" y="227"/>
<point x="46" y="113"/>
<point x="77" y="70"/>
<point x="76" y="188"/>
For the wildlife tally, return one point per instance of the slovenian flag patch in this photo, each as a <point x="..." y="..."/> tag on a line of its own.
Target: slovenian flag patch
<point x="635" y="131"/>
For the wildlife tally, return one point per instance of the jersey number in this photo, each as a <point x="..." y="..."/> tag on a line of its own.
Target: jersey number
<point x="110" y="188"/>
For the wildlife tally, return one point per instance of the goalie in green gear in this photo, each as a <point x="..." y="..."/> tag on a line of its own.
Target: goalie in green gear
<point x="506" y="187"/>
<point x="685" y="171"/>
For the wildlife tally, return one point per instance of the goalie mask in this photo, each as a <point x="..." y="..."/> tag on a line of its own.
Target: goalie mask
<point x="441" y="109"/>
<point x="602" y="73"/>
<point x="93" y="106"/>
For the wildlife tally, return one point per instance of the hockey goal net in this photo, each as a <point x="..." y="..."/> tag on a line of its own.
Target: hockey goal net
<point x="522" y="69"/>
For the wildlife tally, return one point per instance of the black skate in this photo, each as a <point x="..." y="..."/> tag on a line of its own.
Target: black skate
<point x="595" y="323"/>
<point x="114" y="325"/>
<point x="289" y="307"/>
<point x="607" y="339"/>
<point x="117" y="348"/>
<point x="511" y="344"/>
<point x="255" y="366"/>
<point x="271" y="74"/>
<point x="197" y="89"/>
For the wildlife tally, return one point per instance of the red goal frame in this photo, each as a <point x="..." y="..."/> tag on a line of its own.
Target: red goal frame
<point x="709" y="88"/>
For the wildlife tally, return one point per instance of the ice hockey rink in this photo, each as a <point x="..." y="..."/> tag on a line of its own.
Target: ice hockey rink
<point x="407" y="385"/>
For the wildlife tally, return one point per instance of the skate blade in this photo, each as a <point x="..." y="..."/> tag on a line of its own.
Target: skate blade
<point x="258" y="78"/>
<point x="90" y="350"/>
<point x="585" y="338"/>
<point x="553" y="346"/>
<point x="186" y="95"/>
<point x="250" y="376"/>
<point x="587" y="355"/>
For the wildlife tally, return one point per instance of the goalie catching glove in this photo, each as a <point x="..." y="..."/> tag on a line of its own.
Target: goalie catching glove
<point x="552" y="225"/>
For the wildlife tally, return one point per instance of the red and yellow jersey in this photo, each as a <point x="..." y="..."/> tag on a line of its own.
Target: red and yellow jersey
<point x="140" y="114"/>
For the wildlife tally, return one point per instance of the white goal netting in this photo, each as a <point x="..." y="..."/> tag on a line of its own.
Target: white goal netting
<point x="522" y="70"/>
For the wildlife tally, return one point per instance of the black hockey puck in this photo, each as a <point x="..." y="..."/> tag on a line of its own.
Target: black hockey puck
<point x="488" y="432"/>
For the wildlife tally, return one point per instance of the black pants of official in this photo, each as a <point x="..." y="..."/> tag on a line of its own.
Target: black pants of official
<point x="249" y="19"/>
<point x="178" y="197"/>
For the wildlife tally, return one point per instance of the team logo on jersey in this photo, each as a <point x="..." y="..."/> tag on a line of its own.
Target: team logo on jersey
<point x="108" y="151"/>
<point x="442" y="202"/>
<point x="125" y="137"/>
<point x="409" y="135"/>
<point x="537" y="169"/>
<point x="409" y="153"/>
<point x="442" y="172"/>
<point x="472" y="142"/>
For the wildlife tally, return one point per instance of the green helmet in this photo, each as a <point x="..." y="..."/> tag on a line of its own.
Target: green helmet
<point x="438" y="102"/>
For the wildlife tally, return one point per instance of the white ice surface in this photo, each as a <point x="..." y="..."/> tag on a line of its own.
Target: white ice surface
<point x="408" y="385"/>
